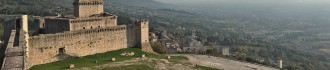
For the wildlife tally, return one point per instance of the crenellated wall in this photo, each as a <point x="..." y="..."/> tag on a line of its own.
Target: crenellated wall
<point x="55" y="25"/>
<point x="53" y="47"/>
<point x="93" y="22"/>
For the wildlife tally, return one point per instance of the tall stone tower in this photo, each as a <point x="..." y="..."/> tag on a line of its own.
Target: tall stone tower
<point x="86" y="8"/>
<point x="143" y="35"/>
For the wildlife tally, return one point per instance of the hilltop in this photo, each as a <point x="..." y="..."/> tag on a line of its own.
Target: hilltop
<point x="211" y="30"/>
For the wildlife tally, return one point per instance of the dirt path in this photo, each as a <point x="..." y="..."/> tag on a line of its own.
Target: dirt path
<point x="157" y="64"/>
<point x="224" y="64"/>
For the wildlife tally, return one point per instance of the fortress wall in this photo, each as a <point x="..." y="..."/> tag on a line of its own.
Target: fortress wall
<point x="90" y="23"/>
<point x="138" y="35"/>
<point x="14" y="54"/>
<point x="49" y="48"/>
<point x="13" y="58"/>
<point x="132" y="35"/>
<point x="111" y="21"/>
<point x="56" y="25"/>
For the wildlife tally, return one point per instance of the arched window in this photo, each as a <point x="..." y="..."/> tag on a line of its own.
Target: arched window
<point x="84" y="28"/>
<point x="91" y="27"/>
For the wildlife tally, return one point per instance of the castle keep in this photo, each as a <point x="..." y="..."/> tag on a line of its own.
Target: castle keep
<point x="86" y="8"/>
<point x="88" y="32"/>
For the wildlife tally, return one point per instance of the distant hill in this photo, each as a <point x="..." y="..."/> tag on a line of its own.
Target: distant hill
<point x="51" y="7"/>
<point x="35" y="7"/>
<point x="142" y="3"/>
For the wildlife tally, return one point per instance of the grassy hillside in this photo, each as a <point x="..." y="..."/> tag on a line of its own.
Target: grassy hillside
<point x="103" y="61"/>
<point x="89" y="61"/>
<point x="34" y="7"/>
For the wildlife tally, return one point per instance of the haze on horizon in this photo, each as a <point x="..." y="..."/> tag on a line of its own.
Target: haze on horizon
<point x="243" y="1"/>
<point x="270" y="8"/>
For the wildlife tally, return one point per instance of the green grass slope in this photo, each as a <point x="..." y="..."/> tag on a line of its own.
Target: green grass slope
<point x="151" y="62"/>
<point x="89" y="61"/>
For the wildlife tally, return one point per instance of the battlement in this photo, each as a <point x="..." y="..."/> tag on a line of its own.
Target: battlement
<point x="141" y="21"/>
<point x="81" y="20"/>
<point x="93" y="2"/>
<point x="80" y="32"/>
<point x="144" y="20"/>
<point x="88" y="1"/>
<point x="91" y="19"/>
<point x="54" y="25"/>
<point x="95" y="16"/>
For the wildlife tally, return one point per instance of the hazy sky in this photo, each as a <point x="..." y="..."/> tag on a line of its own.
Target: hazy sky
<point x="242" y="1"/>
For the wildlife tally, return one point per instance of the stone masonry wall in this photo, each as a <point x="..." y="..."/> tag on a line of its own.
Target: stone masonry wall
<point x="93" y="22"/>
<point x="86" y="8"/>
<point x="14" y="55"/>
<point x="55" y="25"/>
<point x="143" y="35"/>
<point x="132" y="35"/>
<point x="49" y="48"/>
<point x="14" y="42"/>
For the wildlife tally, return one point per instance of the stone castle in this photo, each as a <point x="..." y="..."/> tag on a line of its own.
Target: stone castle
<point x="89" y="31"/>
